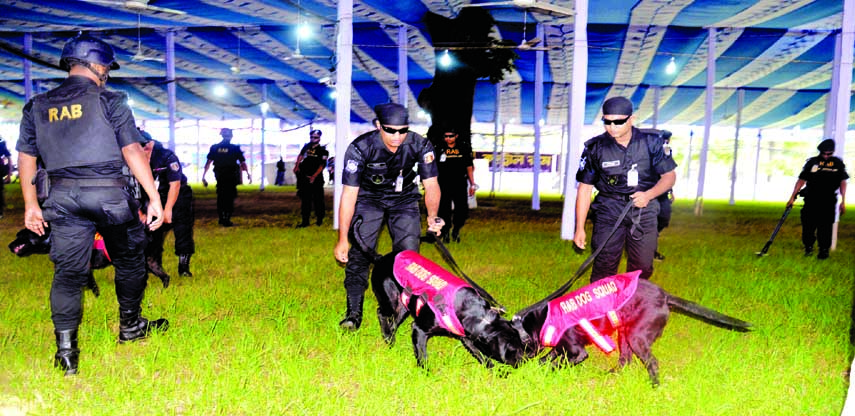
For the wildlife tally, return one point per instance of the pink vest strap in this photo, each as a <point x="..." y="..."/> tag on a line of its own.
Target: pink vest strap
<point x="98" y="244"/>
<point x="599" y="299"/>
<point x="432" y="284"/>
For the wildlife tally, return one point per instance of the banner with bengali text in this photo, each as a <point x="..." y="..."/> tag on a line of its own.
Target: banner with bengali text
<point x="518" y="162"/>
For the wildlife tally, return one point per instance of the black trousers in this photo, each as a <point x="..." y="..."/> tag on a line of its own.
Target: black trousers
<point x="663" y="220"/>
<point x="226" y="191"/>
<point x="183" y="218"/>
<point x="75" y="213"/>
<point x="456" y="191"/>
<point x="311" y="194"/>
<point x="636" y="234"/>
<point x="2" y="195"/>
<point x="817" y="222"/>
<point x="404" y="222"/>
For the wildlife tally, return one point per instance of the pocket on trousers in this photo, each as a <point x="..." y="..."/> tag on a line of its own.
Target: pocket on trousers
<point x="117" y="212"/>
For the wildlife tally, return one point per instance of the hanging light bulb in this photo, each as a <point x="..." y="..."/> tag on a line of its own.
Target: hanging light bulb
<point x="445" y="59"/>
<point x="671" y="68"/>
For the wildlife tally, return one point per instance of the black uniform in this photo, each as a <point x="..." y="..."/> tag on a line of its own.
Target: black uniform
<point x="166" y="168"/>
<point x="453" y="181"/>
<point x="608" y="166"/>
<point x="312" y="193"/>
<point x="78" y="130"/>
<point x="822" y="179"/>
<point x="369" y="165"/>
<point x="5" y="163"/>
<point x="226" y="158"/>
<point x="280" y="173"/>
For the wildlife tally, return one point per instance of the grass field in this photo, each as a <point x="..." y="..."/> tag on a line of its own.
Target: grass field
<point x="255" y="330"/>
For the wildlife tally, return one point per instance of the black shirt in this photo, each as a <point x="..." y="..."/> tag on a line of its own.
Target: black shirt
<point x="453" y="163"/>
<point x="823" y="177"/>
<point x="165" y="167"/>
<point x="225" y="157"/>
<point x="606" y="164"/>
<point x="312" y="159"/>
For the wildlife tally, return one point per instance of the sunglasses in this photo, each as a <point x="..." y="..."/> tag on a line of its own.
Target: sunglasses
<point x="619" y="122"/>
<point x="402" y="130"/>
<point x="450" y="135"/>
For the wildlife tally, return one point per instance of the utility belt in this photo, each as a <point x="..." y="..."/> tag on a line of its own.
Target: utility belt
<point x="44" y="182"/>
<point x="617" y="196"/>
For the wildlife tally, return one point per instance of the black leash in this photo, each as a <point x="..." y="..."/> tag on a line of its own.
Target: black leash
<point x="587" y="263"/>
<point x="446" y="255"/>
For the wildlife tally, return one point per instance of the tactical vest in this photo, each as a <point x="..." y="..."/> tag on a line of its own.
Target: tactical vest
<point x="433" y="286"/>
<point x="599" y="299"/>
<point x="382" y="168"/>
<point x="73" y="131"/>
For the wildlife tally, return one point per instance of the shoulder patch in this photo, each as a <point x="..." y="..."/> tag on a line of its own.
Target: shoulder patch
<point x="174" y="166"/>
<point x="428" y="157"/>
<point x="352" y="166"/>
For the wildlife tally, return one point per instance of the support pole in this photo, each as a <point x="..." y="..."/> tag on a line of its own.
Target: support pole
<point x="344" y="69"/>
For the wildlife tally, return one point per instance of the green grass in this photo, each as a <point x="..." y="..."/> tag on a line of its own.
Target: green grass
<point x="255" y="331"/>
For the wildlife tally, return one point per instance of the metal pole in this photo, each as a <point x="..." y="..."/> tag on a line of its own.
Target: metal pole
<point x="538" y="115"/>
<point x="740" y="98"/>
<point x="170" y="85"/>
<point x="708" y="113"/>
<point x="344" y="68"/>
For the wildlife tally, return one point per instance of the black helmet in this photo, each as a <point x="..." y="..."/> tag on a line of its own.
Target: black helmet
<point x="88" y="49"/>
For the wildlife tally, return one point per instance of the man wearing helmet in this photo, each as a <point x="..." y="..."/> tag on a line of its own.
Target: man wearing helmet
<point x="86" y="139"/>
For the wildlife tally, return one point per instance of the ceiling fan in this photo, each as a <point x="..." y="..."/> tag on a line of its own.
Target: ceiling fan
<point x="531" y="5"/>
<point x="140" y="56"/>
<point x="135" y="5"/>
<point x="297" y="54"/>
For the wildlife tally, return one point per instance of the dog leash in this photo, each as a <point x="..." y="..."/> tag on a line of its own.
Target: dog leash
<point x="446" y="255"/>
<point x="587" y="263"/>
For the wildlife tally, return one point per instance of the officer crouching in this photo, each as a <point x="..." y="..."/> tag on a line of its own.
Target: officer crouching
<point x="86" y="137"/>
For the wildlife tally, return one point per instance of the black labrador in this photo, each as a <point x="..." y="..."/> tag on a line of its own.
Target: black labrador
<point x="461" y="314"/>
<point x="27" y="243"/>
<point x="639" y="322"/>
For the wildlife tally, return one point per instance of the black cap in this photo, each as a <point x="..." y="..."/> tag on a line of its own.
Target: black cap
<point x="618" y="106"/>
<point x="826" y="145"/>
<point x="392" y="114"/>
<point x="316" y="131"/>
<point x="225" y="130"/>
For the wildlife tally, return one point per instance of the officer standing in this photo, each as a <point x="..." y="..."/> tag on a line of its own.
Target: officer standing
<point x="624" y="165"/>
<point x="379" y="186"/>
<point x="821" y="177"/>
<point x="5" y="170"/>
<point x="228" y="163"/>
<point x="309" y="169"/>
<point x="456" y="181"/>
<point x="280" y="172"/>
<point x="178" y="210"/>
<point x="663" y="220"/>
<point x="86" y="137"/>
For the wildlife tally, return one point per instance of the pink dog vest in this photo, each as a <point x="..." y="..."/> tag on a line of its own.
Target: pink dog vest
<point x="580" y="307"/>
<point x="432" y="285"/>
<point x="98" y="244"/>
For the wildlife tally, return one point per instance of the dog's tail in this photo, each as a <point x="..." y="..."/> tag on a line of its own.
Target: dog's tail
<point x="692" y="309"/>
<point x="356" y="240"/>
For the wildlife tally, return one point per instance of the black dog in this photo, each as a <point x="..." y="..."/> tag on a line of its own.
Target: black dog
<point x="27" y="243"/>
<point x="640" y="321"/>
<point x="484" y="333"/>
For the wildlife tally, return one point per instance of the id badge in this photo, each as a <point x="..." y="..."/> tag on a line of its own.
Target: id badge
<point x="632" y="176"/>
<point x="399" y="182"/>
<point x="442" y="158"/>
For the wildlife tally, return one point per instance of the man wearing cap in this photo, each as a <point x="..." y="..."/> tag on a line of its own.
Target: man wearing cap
<point x="456" y="181"/>
<point x="378" y="179"/>
<point x="309" y="169"/>
<point x="624" y="164"/>
<point x="178" y="209"/>
<point x="818" y="183"/>
<point x="87" y="140"/>
<point x="228" y="163"/>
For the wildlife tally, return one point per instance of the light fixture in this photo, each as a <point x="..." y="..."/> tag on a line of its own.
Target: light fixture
<point x="220" y="90"/>
<point x="445" y="59"/>
<point x="130" y="102"/>
<point x="671" y="68"/>
<point x="264" y="107"/>
<point x="333" y="94"/>
<point x="304" y="31"/>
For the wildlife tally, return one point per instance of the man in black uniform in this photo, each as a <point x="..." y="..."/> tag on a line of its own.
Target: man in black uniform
<point x="821" y="177"/>
<point x="456" y="181"/>
<point x="280" y="172"/>
<point x="379" y="186"/>
<point x="663" y="220"/>
<point x="624" y="165"/>
<point x="86" y="137"/>
<point x="309" y="169"/>
<point x="226" y="156"/>
<point x="5" y="169"/>
<point x="178" y="210"/>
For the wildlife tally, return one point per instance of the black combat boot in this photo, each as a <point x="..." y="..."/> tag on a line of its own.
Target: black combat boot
<point x="227" y="220"/>
<point x="222" y="216"/>
<point x="823" y="254"/>
<point x="184" y="265"/>
<point x="808" y="251"/>
<point x="455" y="235"/>
<point x="154" y="266"/>
<point x="353" y="317"/>
<point x="132" y="326"/>
<point x="67" y="354"/>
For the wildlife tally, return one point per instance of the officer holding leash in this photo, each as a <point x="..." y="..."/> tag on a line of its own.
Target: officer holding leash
<point x="87" y="139"/>
<point x="178" y="209"/>
<point x="624" y="165"/>
<point x="379" y="186"/>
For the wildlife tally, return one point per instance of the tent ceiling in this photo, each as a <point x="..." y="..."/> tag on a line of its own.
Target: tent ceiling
<point x="779" y="51"/>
